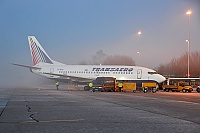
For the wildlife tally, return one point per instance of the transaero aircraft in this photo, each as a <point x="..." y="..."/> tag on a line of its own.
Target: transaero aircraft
<point x="43" y="65"/>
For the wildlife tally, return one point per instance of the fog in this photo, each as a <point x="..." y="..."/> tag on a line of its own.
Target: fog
<point x="73" y="31"/>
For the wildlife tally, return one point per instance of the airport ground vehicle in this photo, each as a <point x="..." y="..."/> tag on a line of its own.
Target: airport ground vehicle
<point x="104" y="84"/>
<point x="146" y="86"/>
<point x="149" y="86"/>
<point x="180" y="86"/>
<point x="129" y="86"/>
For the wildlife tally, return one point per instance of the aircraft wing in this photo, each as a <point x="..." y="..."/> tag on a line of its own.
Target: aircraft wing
<point x="73" y="78"/>
<point x="31" y="67"/>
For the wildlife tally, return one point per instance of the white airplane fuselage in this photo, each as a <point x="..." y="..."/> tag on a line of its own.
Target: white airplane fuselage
<point x="91" y="72"/>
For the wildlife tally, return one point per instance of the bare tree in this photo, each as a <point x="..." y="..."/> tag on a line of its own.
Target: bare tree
<point x="101" y="58"/>
<point x="119" y="60"/>
<point x="195" y="64"/>
<point x="178" y="66"/>
<point x="83" y="63"/>
<point x="98" y="57"/>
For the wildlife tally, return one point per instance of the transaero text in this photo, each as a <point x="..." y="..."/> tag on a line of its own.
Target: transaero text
<point x="112" y="69"/>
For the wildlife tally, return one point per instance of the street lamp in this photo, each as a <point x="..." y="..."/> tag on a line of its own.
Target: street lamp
<point x="138" y="58"/>
<point x="189" y="12"/>
<point x="139" y="33"/>
<point x="188" y="71"/>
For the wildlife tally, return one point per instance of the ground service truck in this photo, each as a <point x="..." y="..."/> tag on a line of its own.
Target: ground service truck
<point x="180" y="86"/>
<point x="129" y="86"/>
<point x="146" y="86"/>
<point x="149" y="86"/>
<point x="104" y="84"/>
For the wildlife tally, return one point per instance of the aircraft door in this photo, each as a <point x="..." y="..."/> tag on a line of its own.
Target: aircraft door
<point x="51" y="71"/>
<point x="139" y="73"/>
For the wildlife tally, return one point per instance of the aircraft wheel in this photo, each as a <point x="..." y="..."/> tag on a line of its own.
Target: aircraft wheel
<point x="86" y="88"/>
<point x="183" y="90"/>
<point x="154" y="90"/>
<point x="145" y="90"/>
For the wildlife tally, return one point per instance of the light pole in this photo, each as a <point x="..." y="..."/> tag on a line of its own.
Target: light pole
<point x="189" y="12"/>
<point x="188" y="71"/>
<point x="138" y="58"/>
<point x="139" y="33"/>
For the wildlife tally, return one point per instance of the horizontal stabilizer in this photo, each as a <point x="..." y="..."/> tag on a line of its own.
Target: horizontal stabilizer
<point x="31" y="67"/>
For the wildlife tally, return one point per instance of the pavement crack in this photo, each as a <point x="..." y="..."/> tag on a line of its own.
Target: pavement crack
<point x="6" y="105"/>
<point x="3" y="110"/>
<point x="28" y="108"/>
<point x="32" y="113"/>
<point x="33" y="117"/>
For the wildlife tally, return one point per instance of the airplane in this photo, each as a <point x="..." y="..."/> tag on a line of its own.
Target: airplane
<point x="44" y="66"/>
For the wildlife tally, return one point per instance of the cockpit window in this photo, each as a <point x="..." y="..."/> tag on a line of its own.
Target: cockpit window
<point x="152" y="73"/>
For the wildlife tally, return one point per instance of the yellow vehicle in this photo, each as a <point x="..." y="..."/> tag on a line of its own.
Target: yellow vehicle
<point x="180" y="86"/>
<point x="132" y="86"/>
<point x="129" y="86"/>
<point x="149" y="86"/>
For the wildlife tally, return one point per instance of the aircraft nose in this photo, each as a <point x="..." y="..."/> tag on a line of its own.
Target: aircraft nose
<point x="162" y="79"/>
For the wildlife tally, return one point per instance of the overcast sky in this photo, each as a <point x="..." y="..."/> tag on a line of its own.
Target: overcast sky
<point x="71" y="31"/>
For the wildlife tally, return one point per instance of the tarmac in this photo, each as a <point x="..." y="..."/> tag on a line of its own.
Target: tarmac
<point x="47" y="110"/>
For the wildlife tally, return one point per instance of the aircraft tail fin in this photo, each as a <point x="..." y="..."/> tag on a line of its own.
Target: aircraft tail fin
<point x="37" y="52"/>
